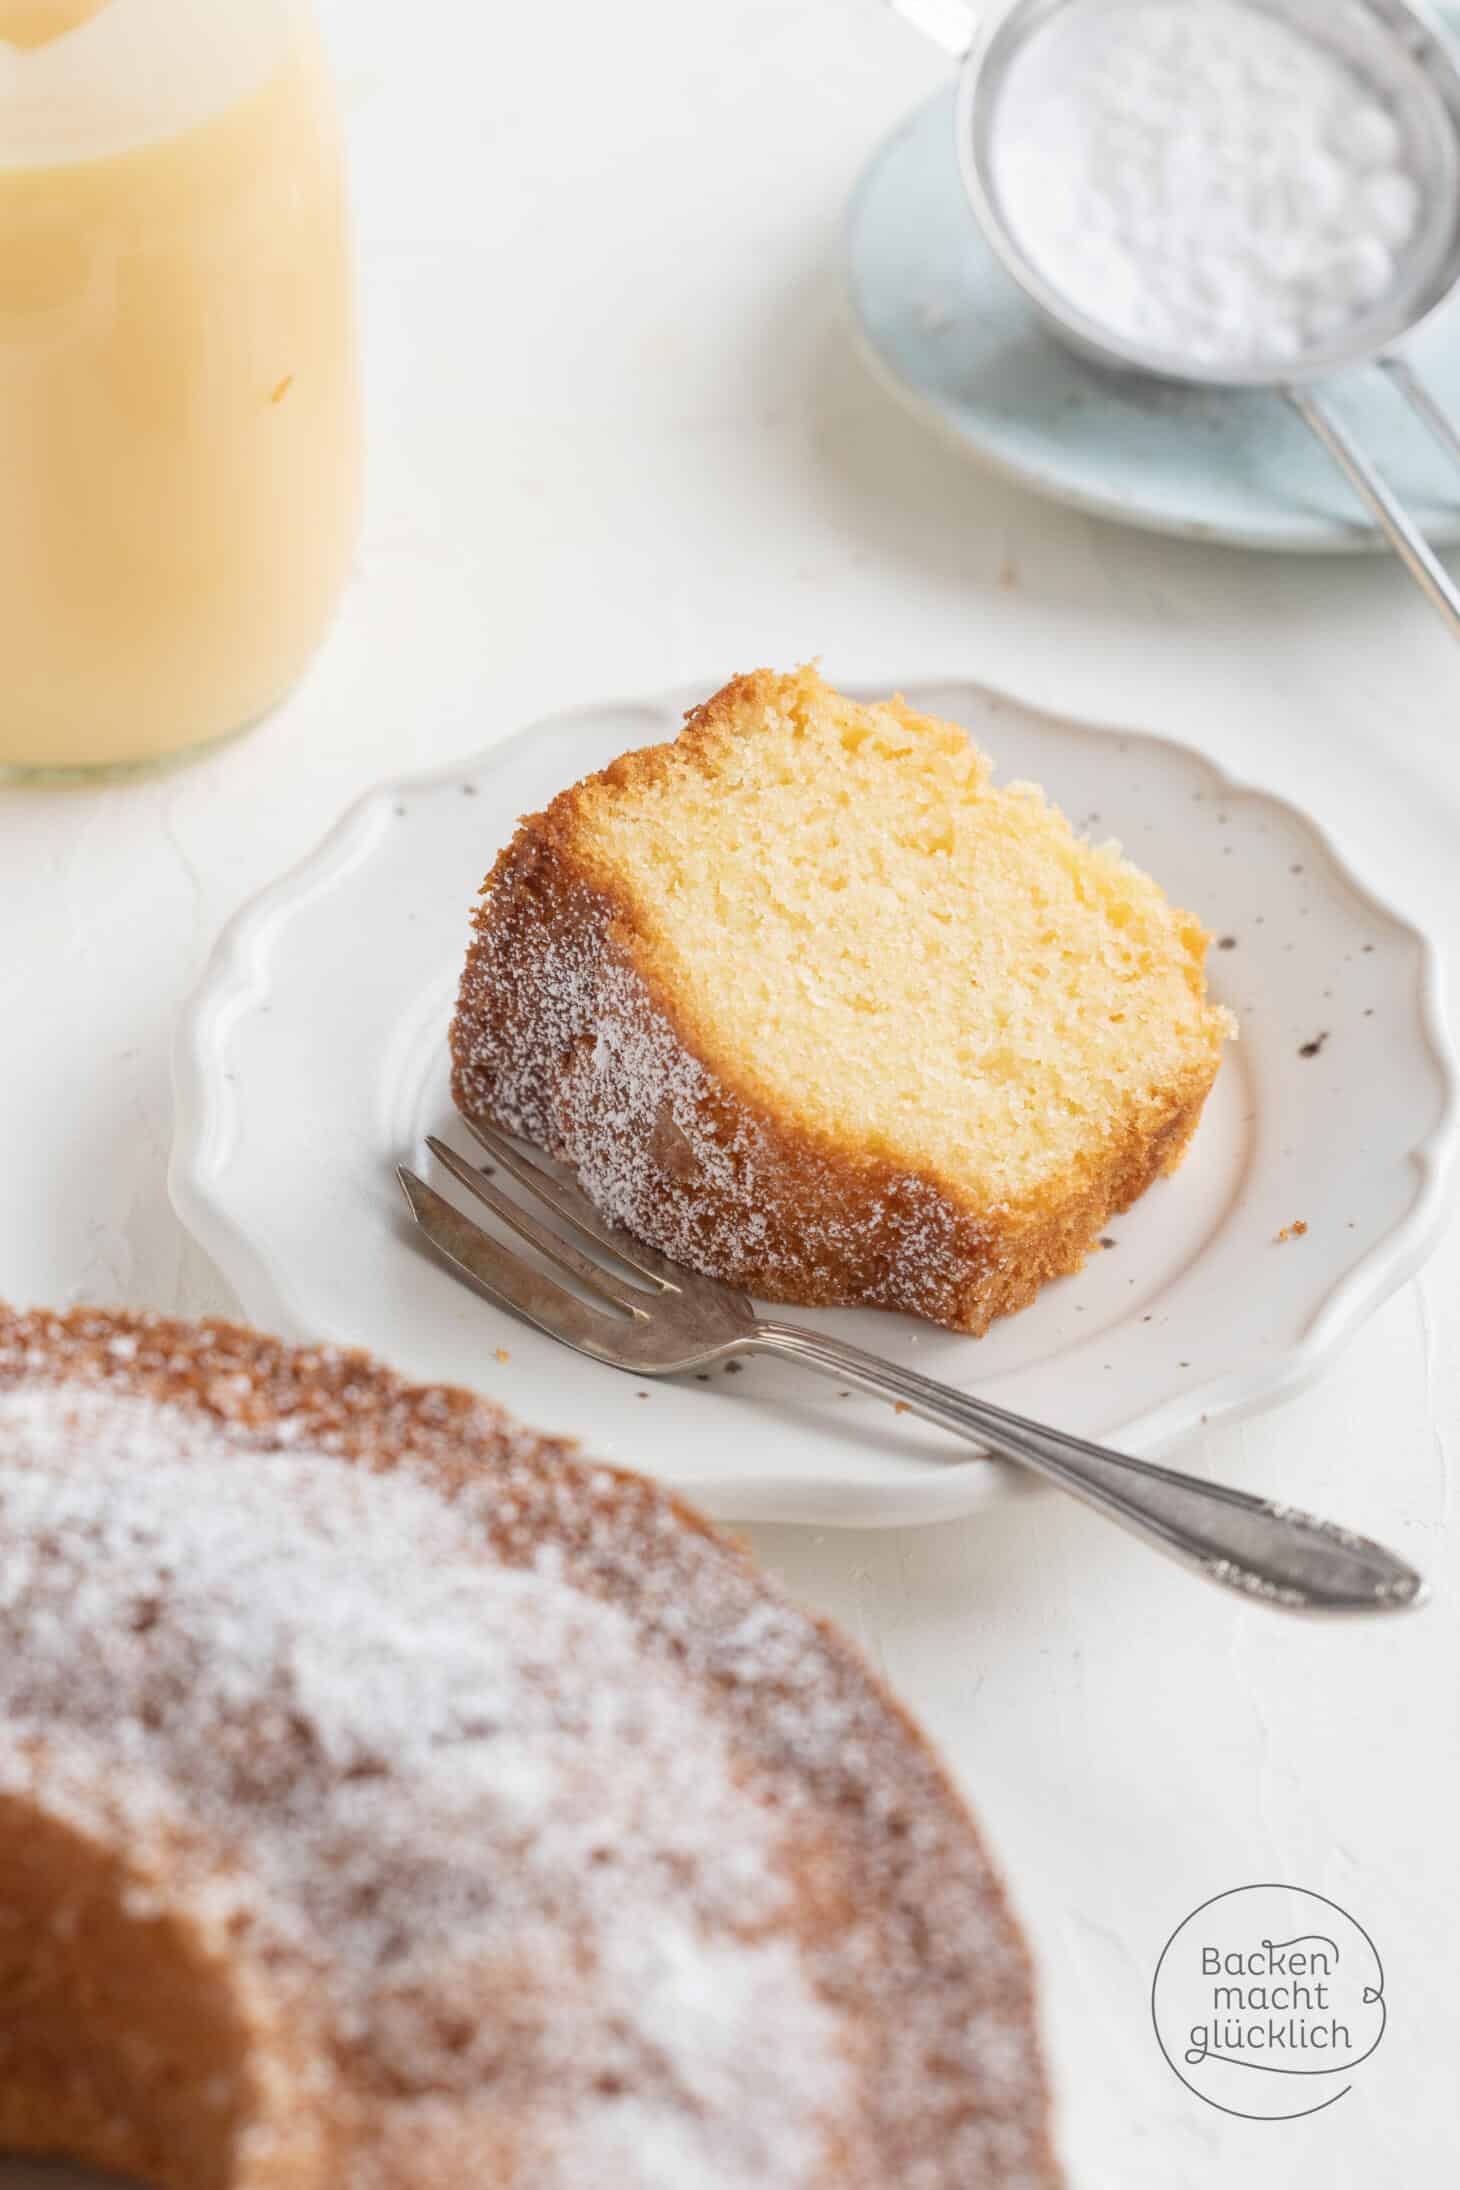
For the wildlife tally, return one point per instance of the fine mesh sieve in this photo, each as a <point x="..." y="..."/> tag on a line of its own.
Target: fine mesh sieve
<point x="1409" y="62"/>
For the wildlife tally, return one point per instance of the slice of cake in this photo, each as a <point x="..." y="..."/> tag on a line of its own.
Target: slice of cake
<point x="812" y="1006"/>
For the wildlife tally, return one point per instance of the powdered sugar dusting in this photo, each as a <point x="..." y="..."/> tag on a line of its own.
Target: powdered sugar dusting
<point x="1214" y="180"/>
<point x="593" y="1071"/>
<point x="595" y="1852"/>
<point x="431" y="1759"/>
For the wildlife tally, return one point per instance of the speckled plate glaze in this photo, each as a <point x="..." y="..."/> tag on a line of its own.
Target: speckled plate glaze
<point x="313" y="1058"/>
<point x="944" y="326"/>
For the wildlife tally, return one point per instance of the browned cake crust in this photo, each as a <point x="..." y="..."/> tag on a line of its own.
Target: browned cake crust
<point x="568" y="1033"/>
<point x="150" y="2024"/>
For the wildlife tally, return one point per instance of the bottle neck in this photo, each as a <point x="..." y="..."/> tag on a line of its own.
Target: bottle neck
<point x="81" y="79"/>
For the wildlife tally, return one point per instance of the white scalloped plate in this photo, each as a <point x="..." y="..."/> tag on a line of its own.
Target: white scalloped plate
<point x="313" y="1058"/>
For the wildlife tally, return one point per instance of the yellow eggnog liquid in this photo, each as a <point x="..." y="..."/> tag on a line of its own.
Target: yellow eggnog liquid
<point x="27" y="23"/>
<point x="179" y="426"/>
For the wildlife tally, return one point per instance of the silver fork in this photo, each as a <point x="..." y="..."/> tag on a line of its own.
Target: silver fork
<point x="649" y="1315"/>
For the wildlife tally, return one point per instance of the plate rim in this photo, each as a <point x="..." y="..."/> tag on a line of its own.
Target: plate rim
<point x="206" y="1113"/>
<point x="1294" y="535"/>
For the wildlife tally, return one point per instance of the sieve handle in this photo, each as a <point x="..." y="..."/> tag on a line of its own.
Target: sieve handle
<point x="949" y="23"/>
<point x="1423" y="404"/>
<point x="1389" y="513"/>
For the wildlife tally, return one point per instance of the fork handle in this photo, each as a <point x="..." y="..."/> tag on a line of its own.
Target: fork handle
<point x="1253" y="1545"/>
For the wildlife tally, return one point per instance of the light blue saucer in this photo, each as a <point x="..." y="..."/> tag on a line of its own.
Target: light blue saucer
<point x="948" y="330"/>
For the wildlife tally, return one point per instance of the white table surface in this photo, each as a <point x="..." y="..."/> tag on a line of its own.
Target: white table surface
<point x="619" y="440"/>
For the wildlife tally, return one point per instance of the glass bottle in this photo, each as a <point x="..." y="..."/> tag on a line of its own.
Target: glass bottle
<point x="179" y="405"/>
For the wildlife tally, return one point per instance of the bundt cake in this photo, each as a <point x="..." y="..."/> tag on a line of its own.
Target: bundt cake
<point x="390" y="1802"/>
<point x="814" y="1007"/>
